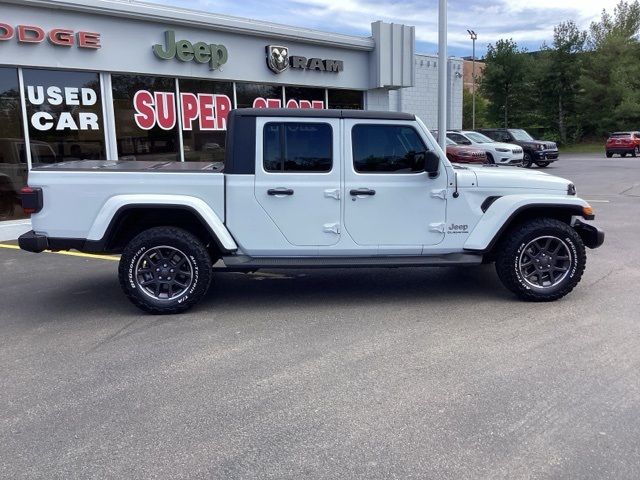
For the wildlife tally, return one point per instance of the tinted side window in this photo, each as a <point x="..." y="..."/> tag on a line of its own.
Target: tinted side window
<point x="297" y="147"/>
<point x="387" y="149"/>
<point x="459" y="139"/>
<point x="493" y="135"/>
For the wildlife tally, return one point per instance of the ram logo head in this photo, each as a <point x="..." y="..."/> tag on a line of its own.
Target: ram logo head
<point x="277" y="58"/>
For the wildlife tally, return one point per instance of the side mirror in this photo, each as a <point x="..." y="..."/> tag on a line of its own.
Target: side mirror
<point x="431" y="163"/>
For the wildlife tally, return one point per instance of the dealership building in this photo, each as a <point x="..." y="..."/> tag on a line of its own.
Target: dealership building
<point x="96" y="79"/>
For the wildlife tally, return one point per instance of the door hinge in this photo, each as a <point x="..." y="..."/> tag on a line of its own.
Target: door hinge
<point x="437" y="227"/>
<point x="331" y="228"/>
<point x="332" y="193"/>
<point x="440" y="193"/>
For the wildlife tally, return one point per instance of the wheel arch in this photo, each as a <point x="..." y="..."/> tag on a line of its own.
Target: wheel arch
<point x="132" y="218"/>
<point x="490" y="229"/>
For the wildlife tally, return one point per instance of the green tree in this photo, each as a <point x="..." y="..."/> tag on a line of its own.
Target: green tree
<point x="610" y="82"/>
<point x="505" y="82"/>
<point x="467" y="110"/>
<point x="558" y="81"/>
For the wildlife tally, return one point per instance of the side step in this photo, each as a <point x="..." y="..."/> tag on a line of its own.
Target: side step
<point x="246" y="262"/>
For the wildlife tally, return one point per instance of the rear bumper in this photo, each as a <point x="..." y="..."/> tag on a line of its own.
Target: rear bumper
<point x="33" y="242"/>
<point x="591" y="235"/>
<point x="619" y="150"/>
<point x="37" y="242"/>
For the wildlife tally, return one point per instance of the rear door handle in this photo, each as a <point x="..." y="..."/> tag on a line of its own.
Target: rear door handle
<point x="280" y="191"/>
<point x="362" y="191"/>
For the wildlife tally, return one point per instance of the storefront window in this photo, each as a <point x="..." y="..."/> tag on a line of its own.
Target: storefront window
<point x="64" y="112"/>
<point x="13" y="160"/>
<point x="256" y="95"/>
<point x="146" y="117"/>
<point x="205" y="106"/>
<point x="303" y="97"/>
<point x="346" y="99"/>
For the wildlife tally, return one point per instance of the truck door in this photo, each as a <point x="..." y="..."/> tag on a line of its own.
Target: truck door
<point x="297" y="180"/>
<point x="390" y="201"/>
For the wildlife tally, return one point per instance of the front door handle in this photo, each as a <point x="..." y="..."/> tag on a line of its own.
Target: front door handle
<point x="279" y="191"/>
<point x="362" y="191"/>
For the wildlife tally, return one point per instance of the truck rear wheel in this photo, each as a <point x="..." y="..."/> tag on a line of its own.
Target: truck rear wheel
<point x="165" y="270"/>
<point x="541" y="260"/>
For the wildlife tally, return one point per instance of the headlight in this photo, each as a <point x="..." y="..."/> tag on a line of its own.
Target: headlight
<point x="541" y="147"/>
<point x="502" y="150"/>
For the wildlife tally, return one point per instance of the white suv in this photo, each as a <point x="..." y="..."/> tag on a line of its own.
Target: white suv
<point x="498" y="153"/>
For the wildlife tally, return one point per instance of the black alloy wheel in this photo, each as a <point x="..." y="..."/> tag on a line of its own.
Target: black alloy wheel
<point x="527" y="160"/>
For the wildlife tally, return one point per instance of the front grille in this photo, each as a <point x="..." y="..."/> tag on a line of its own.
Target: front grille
<point x="516" y="150"/>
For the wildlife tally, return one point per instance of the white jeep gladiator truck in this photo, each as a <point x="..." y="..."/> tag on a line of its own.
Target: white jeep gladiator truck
<point x="311" y="188"/>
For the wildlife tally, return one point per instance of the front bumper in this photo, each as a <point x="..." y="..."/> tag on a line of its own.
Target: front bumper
<point x="591" y="235"/>
<point x="546" y="155"/>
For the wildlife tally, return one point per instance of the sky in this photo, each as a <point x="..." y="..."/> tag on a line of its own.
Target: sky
<point x="528" y="22"/>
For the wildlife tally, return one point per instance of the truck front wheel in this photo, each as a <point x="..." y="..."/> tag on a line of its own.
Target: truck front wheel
<point x="165" y="270"/>
<point x="541" y="260"/>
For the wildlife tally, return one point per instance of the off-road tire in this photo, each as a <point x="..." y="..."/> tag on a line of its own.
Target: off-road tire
<point x="543" y="164"/>
<point x="510" y="252"/>
<point x="196" y="261"/>
<point x="527" y="160"/>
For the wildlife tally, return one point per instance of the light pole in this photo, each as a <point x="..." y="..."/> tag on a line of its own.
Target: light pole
<point x="474" y="37"/>
<point x="442" y="75"/>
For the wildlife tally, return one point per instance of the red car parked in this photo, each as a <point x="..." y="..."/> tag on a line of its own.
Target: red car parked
<point x="463" y="154"/>
<point x="623" y="143"/>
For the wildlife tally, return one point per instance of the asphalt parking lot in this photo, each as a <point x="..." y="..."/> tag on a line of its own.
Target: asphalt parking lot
<point x="408" y="373"/>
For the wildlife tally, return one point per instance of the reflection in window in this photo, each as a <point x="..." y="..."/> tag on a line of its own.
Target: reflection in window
<point x="145" y="117"/>
<point x="304" y="97"/>
<point x="204" y="106"/>
<point x="64" y="111"/>
<point x="346" y="99"/>
<point x="297" y="147"/>
<point x="247" y="93"/>
<point x="13" y="159"/>
<point x="387" y="149"/>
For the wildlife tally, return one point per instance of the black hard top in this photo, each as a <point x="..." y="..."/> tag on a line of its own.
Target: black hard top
<point x="317" y="113"/>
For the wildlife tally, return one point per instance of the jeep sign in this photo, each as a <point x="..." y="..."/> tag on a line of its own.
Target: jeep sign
<point x="185" y="51"/>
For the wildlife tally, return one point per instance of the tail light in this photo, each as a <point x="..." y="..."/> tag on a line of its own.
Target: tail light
<point x="31" y="199"/>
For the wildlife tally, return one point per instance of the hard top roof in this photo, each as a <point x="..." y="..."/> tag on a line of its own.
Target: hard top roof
<point x="317" y="113"/>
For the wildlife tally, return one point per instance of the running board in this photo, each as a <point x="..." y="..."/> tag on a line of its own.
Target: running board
<point x="243" y="261"/>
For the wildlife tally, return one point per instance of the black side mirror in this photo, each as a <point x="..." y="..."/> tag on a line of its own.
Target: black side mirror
<point x="431" y="163"/>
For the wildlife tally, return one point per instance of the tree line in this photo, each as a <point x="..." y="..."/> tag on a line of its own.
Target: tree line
<point x="583" y="85"/>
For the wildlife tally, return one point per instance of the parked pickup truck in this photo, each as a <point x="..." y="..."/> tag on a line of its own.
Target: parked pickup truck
<point x="312" y="188"/>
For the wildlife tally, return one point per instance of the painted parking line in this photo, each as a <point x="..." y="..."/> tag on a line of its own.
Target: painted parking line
<point x="113" y="258"/>
<point x="598" y="201"/>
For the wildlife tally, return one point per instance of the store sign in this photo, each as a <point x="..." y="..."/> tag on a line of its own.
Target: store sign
<point x="58" y="36"/>
<point x="66" y="103"/>
<point x="277" y="103"/>
<point x="159" y="109"/>
<point x="279" y="60"/>
<point x="185" y="51"/>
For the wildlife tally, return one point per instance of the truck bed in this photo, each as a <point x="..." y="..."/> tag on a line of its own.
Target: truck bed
<point x="78" y="194"/>
<point x="131" y="166"/>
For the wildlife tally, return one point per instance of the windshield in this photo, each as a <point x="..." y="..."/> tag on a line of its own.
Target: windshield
<point x="620" y="134"/>
<point x="478" y="137"/>
<point x="521" y="135"/>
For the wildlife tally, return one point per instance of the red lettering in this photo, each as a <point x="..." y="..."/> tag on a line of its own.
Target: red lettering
<point x="274" y="103"/>
<point x="207" y="112"/>
<point x="223" y="106"/>
<point x="165" y="110"/>
<point x="305" y="104"/>
<point x="143" y="103"/>
<point x="88" y="40"/>
<point x="259" y="103"/>
<point x="189" y="103"/>
<point x="317" y="104"/>
<point x="62" y="37"/>
<point x="292" y="104"/>
<point x="30" y="34"/>
<point x="6" y="31"/>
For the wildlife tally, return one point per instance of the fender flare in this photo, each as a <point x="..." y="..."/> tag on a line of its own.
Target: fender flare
<point x="504" y="210"/>
<point x="112" y="209"/>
